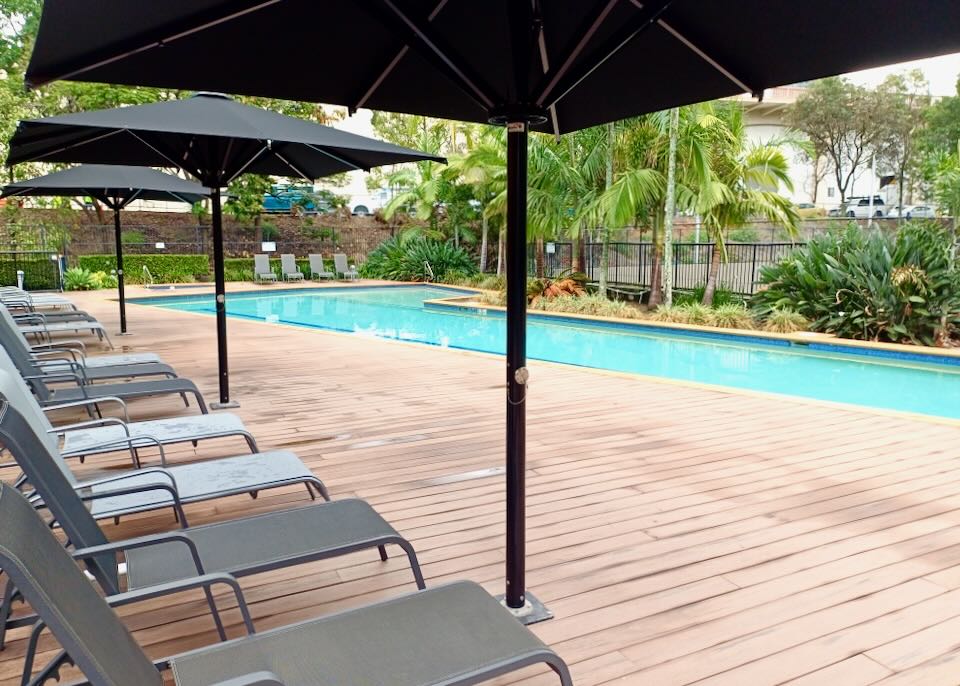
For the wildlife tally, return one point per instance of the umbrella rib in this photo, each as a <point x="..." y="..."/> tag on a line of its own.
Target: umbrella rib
<point x="545" y="64"/>
<point x="574" y="53"/>
<point x="253" y="158"/>
<point x="172" y="162"/>
<point x="446" y="58"/>
<point x="574" y="77"/>
<point x="342" y="160"/>
<point x="393" y="63"/>
<point x="705" y="57"/>
<point x="291" y="165"/>
<point x="69" y="73"/>
<point x="75" y="144"/>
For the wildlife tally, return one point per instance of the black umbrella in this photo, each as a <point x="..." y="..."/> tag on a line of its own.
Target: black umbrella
<point x="116" y="187"/>
<point x="213" y="138"/>
<point x="553" y="65"/>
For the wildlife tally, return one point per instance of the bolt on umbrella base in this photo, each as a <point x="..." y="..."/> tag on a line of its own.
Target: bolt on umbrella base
<point x="230" y="404"/>
<point x="533" y="610"/>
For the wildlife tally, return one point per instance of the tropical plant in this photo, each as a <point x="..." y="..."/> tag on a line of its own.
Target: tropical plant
<point x="745" y="183"/>
<point x="567" y="284"/>
<point x="733" y="316"/>
<point x="904" y="289"/>
<point x="416" y="259"/>
<point x="79" y="279"/>
<point x="785" y="320"/>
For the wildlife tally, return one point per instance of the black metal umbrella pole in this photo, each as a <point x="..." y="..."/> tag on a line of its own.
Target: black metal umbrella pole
<point x="551" y="65"/>
<point x="116" y="186"/>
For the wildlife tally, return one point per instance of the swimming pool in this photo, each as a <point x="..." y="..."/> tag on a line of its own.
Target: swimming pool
<point x="910" y="382"/>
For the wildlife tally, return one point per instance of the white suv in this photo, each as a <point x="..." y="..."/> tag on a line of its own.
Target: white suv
<point x="860" y="207"/>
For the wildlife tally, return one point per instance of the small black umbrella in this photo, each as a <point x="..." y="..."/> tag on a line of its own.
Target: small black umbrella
<point x="213" y="138"/>
<point x="116" y="186"/>
<point x="552" y="65"/>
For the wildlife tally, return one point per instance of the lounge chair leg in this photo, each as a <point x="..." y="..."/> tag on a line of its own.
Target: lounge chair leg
<point x="116" y="521"/>
<point x="254" y="494"/>
<point x="320" y="487"/>
<point x="186" y="401"/>
<point x="21" y="480"/>
<point x="414" y="562"/>
<point x="313" y="496"/>
<point x="251" y="442"/>
<point x="10" y="594"/>
<point x="383" y="552"/>
<point x="216" y="613"/>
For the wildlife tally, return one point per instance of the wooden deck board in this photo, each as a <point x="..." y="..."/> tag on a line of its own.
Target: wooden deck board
<point x="681" y="535"/>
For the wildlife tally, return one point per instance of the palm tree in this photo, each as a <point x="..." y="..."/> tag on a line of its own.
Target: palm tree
<point x="745" y="179"/>
<point x="483" y="167"/>
<point x="639" y="194"/>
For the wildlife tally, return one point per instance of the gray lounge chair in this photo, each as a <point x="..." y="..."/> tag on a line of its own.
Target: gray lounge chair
<point x="58" y="367"/>
<point x="343" y="268"/>
<point x="74" y="351"/>
<point x="18" y="297"/>
<point x="106" y="392"/>
<point x="318" y="269"/>
<point x="451" y="635"/>
<point x="239" y="547"/>
<point x="37" y="325"/>
<point x="288" y="265"/>
<point x="111" y="434"/>
<point x="261" y="269"/>
<point x="158" y="488"/>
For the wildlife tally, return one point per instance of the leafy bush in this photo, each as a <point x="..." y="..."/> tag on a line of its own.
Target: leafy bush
<point x="38" y="275"/>
<point x="164" y="268"/>
<point x="79" y="279"/>
<point x="592" y="304"/>
<point x="785" y="321"/>
<point x="871" y="287"/>
<point x="733" y="316"/>
<point x="743" y="235"/>
<point x="721" y="296"/>
<point x="269" y="231"/>
<point x="397" y="259"/>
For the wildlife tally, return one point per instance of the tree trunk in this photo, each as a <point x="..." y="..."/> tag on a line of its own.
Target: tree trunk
<point x="712" y="275"/>
<point x="670" y="208"/>
<point x="900" y="196"/>
<point x="656" y="261"/>
<point x="484" y="235"/>
<point x="605" y="230"/>
<point x="500" y="252"/>
<point x="540" y="259"/>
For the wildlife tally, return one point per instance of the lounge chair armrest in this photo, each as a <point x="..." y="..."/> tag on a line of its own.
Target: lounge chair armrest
<point x="79" y="345"/>
<point x="66" y="355"/>
<point x="86" y="402"/>
<point x="252" y="679"/>
<point x="204" y="581"/>
<point x="55" y="377"/>
<point x="130" y="442"/>
<point x="128" y="475"/>
<point x="88" y="424"/>
<point x="143" y="542"/>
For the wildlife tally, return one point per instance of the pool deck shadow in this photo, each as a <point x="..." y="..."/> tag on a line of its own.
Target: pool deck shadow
<point x="680" y="535"/>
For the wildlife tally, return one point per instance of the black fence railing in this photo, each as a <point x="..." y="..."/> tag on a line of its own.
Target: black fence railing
<point x="39" y="269"/>
<point x="631" y="263"/>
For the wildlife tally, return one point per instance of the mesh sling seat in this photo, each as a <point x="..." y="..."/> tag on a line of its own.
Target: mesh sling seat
<point x="124" y="493"/>
<point x="455" y="634"/>
<point x="110" y="434"/>
<point x="239" y="547"/>
<point x="74" y="350"/>
<point x="288" y="265"/>
<point x="87" y="391"/>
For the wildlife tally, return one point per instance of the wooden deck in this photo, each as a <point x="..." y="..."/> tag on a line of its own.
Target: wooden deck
<point x="680" y="535"/>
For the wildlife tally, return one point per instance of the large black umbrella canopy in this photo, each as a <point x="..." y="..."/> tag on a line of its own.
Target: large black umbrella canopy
<point x="215" y="139"/>
<point x="116" y="186"/>
<point x="552" y="65"/>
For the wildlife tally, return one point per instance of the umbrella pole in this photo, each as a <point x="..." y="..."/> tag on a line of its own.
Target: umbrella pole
<point x="221" y="301"/>
<point x="123" y="302"/>
<point x="522" y="604"/>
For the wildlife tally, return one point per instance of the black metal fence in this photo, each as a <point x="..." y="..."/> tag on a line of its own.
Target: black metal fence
<point x="40" y="269"/>
<point x="631" y="263"/>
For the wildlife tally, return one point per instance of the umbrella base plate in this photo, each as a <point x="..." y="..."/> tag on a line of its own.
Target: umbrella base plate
<point x="229" y="405"/>
<point x="533" y="610"/>
<point x="123" y="333"/>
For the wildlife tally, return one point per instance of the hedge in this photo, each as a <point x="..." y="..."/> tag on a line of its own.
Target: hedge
<point x="163" y="268"/>
<point x="38" y="275"/>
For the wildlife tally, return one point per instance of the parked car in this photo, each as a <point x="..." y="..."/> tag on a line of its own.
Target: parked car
<point x="860" y="208"/>
<point x="808" y="210"/>
<point x="292" y="200"/>
<point x="921" y="212"/>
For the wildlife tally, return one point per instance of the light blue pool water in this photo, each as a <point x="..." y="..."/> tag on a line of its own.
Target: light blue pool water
<point x="910" y="383"/>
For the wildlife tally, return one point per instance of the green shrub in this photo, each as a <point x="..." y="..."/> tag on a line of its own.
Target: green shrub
<point x="904" y="288"/>
<point x="721" y="296"/>
<point x="79" y="279"/>
<point x="733" y="316"/>
<point x="743" y="235"/>
<point x="589" y="304"/>
<point x="269" y="232"/>
<point x="164" y="268"/>
<point x="785" y="321"/>
<point x="397" y="259"/>
<point x="38" y="275"/>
